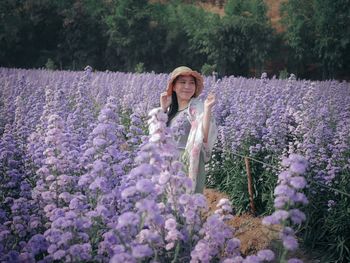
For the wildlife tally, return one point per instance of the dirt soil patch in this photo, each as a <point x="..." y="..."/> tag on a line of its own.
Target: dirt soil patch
<point x="253" y="235"/>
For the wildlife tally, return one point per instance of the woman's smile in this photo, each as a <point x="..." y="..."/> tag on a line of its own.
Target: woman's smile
<point x="185" y="86"/>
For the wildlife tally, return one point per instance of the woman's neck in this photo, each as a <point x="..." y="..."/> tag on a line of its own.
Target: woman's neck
<point x="182" y="104"/>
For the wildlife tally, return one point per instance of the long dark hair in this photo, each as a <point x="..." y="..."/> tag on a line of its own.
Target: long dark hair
<point x="174" y="107"/>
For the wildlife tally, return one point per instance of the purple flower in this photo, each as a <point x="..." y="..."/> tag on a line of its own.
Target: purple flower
<point x="12" y="256"/>
<point x="26" y="257"/>
<point x="301" y="198"/>
<point x="184" y="199"/>
<point x="142" y="251"/>
<point x="128" y="192"/>
<point x="148" y="205"/>
<point x="236" y="259"/>
<point x="147" y="235"/>
<point x="52" y="248"/>
<point x="37" y="244"/>
<point x="281" y="201"/>
<point x="284" y="190"/>
<point x="122" y="258"/>
<point x="280" y="215"/>
<point x="285" y="175"/>
<point x="99" y="142"/>
<point x="145" y="186"/>
<point x="59" y="254"/>
<point x="77" y="203"/>
<point x="287" y="195"/>
<point x="290" y="242"/>
<point x="297" y="216"/>
<point x="201" y="253"/>
<point x="295" y="260"/>
<point x="173" y="235"/>
<point x="298" y="168"/>
<point x="200" y="200"/>
<point x="81" y="252"/>
<point x="128" y="218"/>
<point x="170" y="224"/>
<point x="252" y="259"/>
<point x="266" y="254"/>
<point x="102" y="211"/>
<point x="100" y="183"/>
<point x="232" y="245"/>
<point x="270" y="220"/>
<point x="298" y="182"/>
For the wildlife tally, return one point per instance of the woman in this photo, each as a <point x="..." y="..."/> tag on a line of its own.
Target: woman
<point x="191" y="120"/>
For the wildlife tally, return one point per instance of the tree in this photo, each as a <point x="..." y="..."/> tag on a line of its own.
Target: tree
<point x="128" y="32"/>
<point x="300" y="33"/>
<point x="241" y="41"/>
<point x="28" y="32"/>
<point x="332" y="43"/>
<point x="82" y="36"/>
<point x="318" y="34"/>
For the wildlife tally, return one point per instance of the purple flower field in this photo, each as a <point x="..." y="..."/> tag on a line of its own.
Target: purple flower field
<point x="89" y="172"/>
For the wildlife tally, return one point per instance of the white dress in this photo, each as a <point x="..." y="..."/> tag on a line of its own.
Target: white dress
<point x="188" y="133"/>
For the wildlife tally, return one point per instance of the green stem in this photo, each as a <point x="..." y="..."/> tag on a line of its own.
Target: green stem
<point x="177" y="250"/>
<point x="121" y="240"/>
<point x="331" y="188"/>
<point x="283" y="256"/>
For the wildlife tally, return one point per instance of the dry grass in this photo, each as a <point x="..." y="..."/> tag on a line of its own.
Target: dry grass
<point x="253" y="235"/>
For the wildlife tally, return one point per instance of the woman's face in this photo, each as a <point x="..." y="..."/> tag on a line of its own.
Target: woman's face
<point x="185" y="87"/>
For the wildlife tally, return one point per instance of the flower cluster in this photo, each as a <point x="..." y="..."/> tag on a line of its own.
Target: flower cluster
<point x="67" y="183"/>
<point x="287" y="196"/>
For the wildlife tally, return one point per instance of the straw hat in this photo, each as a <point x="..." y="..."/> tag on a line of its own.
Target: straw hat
<point x="185" y="71"/>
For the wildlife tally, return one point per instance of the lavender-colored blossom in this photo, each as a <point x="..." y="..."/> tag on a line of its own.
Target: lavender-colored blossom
<point x="297" y="216"/>
<point x="232" y="245"/>
<point x="270" y="220"/>
<point x="145" y="186"/>
<point x="128" y="218"/>
<point x="301" y="198"/>
<point x="184" y="199"/>
<point x="237" y="259"/>
<point x="290" y="242"/>
<point x="298" y="182"/>
<point x="284" y="190"/>
<point x="287" y="195"/>
<point x="277" y="117"/>
<point x="123" y="257"/>
<point x="298" y="168"/>
<point x="147" y="235"/>
<point x="170" y="224"/>
<point x="266" y="255"/>
<point x="252" y="259"/>
<point x="295" y="260"/>
<point x="142" y="251"/>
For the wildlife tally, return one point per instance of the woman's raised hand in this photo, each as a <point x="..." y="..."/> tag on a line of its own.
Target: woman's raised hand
<point x="165" y="101"/>
<point x="209" y="102"/>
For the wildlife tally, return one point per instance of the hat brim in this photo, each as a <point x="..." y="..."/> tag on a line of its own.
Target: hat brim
<point x="193" y="73"/>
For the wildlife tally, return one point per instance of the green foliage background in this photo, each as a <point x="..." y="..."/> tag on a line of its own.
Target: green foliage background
<point x="124" y="34"/>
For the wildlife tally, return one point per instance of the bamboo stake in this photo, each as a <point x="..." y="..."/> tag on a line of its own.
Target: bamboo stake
<point x="250" y="185"/>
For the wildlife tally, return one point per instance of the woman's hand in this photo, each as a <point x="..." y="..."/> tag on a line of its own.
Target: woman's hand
<point x="209" y="102"/>
<point x="165" y="101"/>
